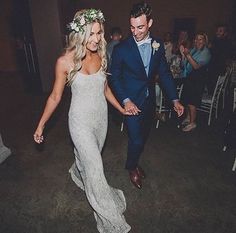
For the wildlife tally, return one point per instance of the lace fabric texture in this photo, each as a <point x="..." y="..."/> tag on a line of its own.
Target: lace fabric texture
<point x="88" y="128"/>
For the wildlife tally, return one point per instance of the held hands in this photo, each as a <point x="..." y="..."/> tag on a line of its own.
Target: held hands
<point x="179" y="108"/>
<point x="38" y="137"/>
<point x="131" y="108"/>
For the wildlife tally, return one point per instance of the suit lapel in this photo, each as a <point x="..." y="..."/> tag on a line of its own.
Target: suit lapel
<point x="136" y="55"/>
<point x="151" y="60"/>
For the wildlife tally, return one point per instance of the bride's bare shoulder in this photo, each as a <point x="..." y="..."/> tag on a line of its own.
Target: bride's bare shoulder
<point x="64" y="62"/>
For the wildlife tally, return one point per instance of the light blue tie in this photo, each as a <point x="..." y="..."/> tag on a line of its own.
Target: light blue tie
<point x="145" y="52"/>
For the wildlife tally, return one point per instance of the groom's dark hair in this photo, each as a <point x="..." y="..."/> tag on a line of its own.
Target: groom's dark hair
<point x="141" y="8"/>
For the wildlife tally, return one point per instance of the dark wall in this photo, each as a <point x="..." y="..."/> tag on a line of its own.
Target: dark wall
<point x="48" y="38"/>
<point x="7" y="42"/>
<point x="206" y="12"/>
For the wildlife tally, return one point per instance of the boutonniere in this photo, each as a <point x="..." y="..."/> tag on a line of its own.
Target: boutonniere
<point x="155" y="46"/>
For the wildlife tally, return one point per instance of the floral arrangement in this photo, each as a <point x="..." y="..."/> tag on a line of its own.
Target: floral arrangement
<point x="87" y="17"/>
<point x="155" y="46"/>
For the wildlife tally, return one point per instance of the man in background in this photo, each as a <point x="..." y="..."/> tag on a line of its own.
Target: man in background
<point x="116" y="36"/>
<point x="221" y="49"/>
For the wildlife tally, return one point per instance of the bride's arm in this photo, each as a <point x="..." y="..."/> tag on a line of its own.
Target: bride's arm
<point x="53" y="99"/>
<point x="111" y="98"/>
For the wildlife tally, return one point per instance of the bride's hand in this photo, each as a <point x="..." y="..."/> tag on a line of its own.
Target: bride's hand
<point x="124" y="112"/>
<point x="38" y="135"/>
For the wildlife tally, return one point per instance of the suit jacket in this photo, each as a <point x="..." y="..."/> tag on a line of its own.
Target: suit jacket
<point x="128" y="77"/>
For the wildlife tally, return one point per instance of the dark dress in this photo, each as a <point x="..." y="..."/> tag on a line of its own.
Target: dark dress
<point x="194" y="87"/>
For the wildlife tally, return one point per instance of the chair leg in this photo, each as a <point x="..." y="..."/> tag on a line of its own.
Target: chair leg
<point x="223" y="100"/>
<point x="216" y="113"/>
<point x="234" y="166"/>
<point x="209" y="118"/>
<point x="157" y="125"/>
<point x="122" y="126"/>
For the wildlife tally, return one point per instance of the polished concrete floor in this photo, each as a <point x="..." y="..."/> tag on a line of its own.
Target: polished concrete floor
<point x="189" y="188"/>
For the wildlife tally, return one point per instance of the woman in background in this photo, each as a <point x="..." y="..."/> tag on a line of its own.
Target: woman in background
<point x="194" y="63"/>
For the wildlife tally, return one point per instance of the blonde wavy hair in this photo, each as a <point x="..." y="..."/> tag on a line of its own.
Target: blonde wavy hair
<point x="204" y="35"/>
<point x="77" y="42"/>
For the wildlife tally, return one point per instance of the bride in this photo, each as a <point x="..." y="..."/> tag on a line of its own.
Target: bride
<point x="83" y="66"/>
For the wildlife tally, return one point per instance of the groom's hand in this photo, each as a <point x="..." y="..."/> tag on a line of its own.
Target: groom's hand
<point x="131" y="108"/>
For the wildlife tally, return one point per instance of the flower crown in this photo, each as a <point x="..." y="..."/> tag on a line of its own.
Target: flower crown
<point x="87" y="17"/>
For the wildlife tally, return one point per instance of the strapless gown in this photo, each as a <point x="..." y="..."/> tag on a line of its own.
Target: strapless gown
<point x="88" y="127"/>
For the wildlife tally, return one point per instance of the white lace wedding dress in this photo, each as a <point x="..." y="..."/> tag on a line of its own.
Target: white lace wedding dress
<point x="88" y="128"/>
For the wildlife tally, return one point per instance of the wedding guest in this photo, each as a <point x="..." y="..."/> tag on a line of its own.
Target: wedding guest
<point x="184" y="40"/>
<point x="168" y="45"/>
<point x="195" y="62"/>
<point x="115" y="36"/>
<point x="221" y="50"/>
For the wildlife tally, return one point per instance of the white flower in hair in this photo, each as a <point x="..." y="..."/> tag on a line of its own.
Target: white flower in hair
<point x="100" y="15"/>
<point x="82" y="21"/>
<point x="72" y="25"/>
<point x="87" y="17"/>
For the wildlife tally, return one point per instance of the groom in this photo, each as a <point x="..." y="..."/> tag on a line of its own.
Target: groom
<point x="135" y="63"/>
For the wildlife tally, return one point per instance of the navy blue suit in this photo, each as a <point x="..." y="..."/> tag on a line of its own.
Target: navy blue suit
<point x="129" y="80"/>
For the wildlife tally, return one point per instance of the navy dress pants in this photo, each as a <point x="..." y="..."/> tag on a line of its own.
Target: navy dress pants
<point x="138" y="127"/>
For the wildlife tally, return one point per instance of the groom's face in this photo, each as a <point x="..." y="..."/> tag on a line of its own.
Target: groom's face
<point x="140" y="27"/>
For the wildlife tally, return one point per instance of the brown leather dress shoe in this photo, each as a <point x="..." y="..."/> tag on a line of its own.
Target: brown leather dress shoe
<point x="135" y="179"/>
<point x="141" y="172"/>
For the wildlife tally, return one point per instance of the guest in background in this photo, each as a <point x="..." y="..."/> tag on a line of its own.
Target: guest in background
<point x="195" y="62"/>
<point x="176" y="60"/>
<point x="168" y="45"/>
<point x="221" y="51"/>
<point x="183" y="39"/>
<point x="116" y="36"/>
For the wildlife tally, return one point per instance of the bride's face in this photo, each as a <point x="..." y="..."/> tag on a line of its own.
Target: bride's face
<point x="95" y="37"/>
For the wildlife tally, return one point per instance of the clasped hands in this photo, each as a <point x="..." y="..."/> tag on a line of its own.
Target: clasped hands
<point x="131" y="108"/>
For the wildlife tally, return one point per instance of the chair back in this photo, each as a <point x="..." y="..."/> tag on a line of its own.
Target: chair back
<point x="229" y="71"/>
<point x="234" y="101"/>
<point x="218" y="87"/>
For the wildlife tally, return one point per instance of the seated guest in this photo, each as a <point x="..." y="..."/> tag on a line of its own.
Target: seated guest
<point x="221" y="51"/>
<point x="195" y="62"/>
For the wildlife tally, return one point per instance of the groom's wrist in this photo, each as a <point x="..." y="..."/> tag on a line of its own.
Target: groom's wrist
<point x="175" y="100"/>
<point x="126" y="100"/>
